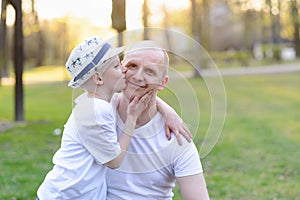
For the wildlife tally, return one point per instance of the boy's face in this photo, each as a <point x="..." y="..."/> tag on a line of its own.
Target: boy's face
<point x="145" y="70"/>
<point x="113" y="77"/>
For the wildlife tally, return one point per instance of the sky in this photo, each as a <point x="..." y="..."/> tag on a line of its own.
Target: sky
<point x="98" y="12"/>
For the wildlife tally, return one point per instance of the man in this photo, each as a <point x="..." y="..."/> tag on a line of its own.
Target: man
<point x="153" y="163"/>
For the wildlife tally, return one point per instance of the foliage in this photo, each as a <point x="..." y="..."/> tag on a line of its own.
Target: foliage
<point x="226" y="24"/>
<point x="59" y="37"/>
<point x="255" y="158"/>
<point x="232" y="57"/>
<point x="274" y="50"/>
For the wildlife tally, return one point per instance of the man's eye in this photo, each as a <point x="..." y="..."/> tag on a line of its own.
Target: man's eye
<point x="149" y="71"/>
<point x="131" y="66"/>
<point x="117" y="66"/>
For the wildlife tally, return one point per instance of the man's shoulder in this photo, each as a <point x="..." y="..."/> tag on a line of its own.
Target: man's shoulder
<point x="115" y="100"/>
<point x="185" y="144"/>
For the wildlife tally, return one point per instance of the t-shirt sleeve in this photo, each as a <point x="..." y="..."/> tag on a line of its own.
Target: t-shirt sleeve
<point x="187" y="161"/>
<point x="98" y="132"/>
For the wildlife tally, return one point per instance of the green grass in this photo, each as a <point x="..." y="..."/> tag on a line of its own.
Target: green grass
<point x="256" y="157"/>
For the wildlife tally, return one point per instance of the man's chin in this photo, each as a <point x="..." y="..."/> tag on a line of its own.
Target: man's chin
<point x="131" y="94"/>
<point x="132" y="91"/>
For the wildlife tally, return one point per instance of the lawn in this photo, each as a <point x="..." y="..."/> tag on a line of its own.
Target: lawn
<point x="256" y="156"/>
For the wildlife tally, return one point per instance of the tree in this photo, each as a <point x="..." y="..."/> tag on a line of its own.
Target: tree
<point x="296" y="25"/>
<point x="196" y="24"/>
<point x="40" y="38"/>
<point x="118" y="17"/>
<point x="166" y="26"/>
<point x="205" y="25"/>
<point x="3" y="69"/>
<point x="18" y="53"/>
<point x="274" y="12"/>
<point x="19" y="59"/>
<point x="200" y="16"/>
<point x="146" y="14"/>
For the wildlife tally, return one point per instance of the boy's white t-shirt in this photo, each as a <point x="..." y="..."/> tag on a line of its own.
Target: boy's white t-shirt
<point x="152" y="163"/>
<point x="88" y="142"/>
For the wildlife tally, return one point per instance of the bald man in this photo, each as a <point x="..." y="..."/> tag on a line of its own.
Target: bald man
<point x="153" y="163"/>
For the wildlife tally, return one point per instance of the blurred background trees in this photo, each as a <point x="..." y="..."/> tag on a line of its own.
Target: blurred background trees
<point x="228" y="29"/>
<point x="232" y="32"/>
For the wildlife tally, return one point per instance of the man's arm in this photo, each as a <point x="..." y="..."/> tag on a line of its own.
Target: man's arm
<point x="193" y="187"/>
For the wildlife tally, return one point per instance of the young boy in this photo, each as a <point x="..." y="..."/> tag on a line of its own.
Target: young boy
<point x="89" y="142"/>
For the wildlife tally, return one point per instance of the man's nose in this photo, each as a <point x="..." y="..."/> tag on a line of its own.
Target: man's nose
<point x="124" y="69"/>
<point x="138" y="75"/>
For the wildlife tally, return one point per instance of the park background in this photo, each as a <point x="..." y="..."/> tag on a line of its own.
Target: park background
<point x="257" y="153"/>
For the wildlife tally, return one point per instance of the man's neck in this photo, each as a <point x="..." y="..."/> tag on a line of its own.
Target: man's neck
<point x="145" y="116"/>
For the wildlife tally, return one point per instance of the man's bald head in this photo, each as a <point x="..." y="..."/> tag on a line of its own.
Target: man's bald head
<point x="149" y="45"/>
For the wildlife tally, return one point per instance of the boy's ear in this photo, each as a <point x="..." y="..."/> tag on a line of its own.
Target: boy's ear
<point x="97" y="79"/>
<point x="163" y="83"/>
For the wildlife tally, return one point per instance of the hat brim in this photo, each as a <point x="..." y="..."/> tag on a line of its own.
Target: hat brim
<point x="113" y="52"/>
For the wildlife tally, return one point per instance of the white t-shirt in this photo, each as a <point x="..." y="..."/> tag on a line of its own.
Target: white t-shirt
<point x="151" y="164"/>
<point x="88" y="142"/>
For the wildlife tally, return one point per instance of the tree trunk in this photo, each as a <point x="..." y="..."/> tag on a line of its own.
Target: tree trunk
<point x="40" y="40"/>
<point x="166" y="32"/>
<point x="118" y="17"/>
<point x="196" y="24"/>
<point x="205" y="25"/>
<point x="146" y="14"/>
<point x="3" y="68"/>
<point x="296" y="24"/>
<point x="18" y="61"/>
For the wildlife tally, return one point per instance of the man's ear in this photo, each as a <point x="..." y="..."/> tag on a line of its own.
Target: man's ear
<point x="97" y="79"/>
<point x="163" y="83"/>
